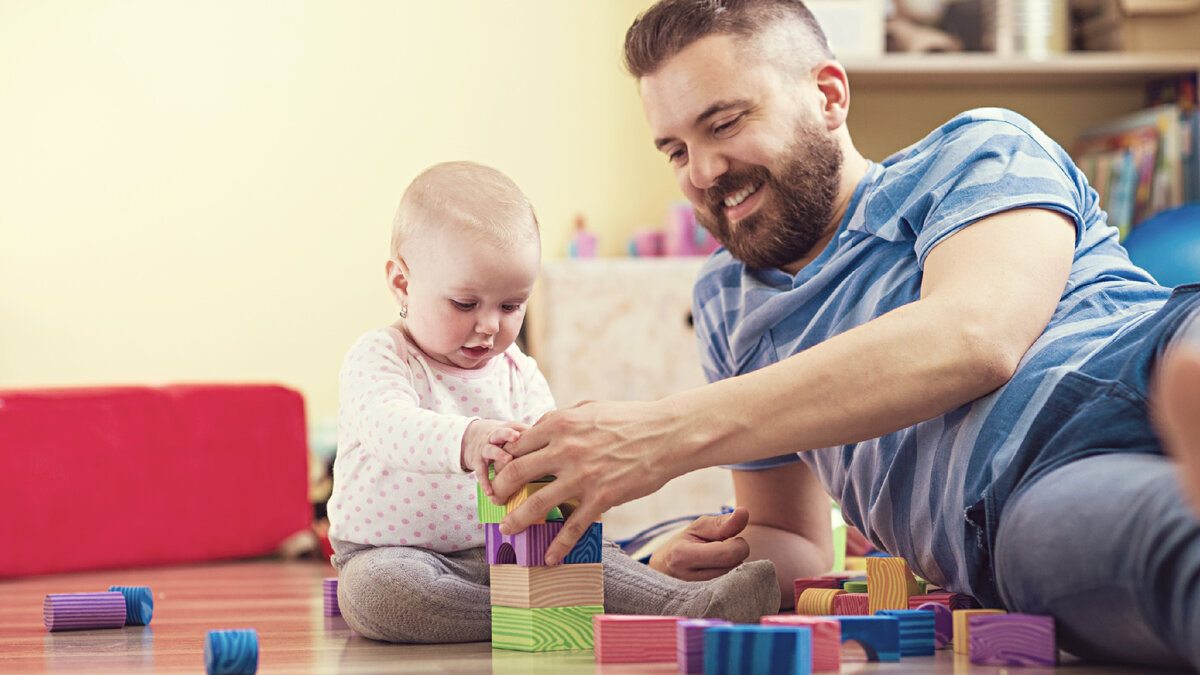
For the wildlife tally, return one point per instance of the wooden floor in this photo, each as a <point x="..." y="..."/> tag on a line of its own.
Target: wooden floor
<point x="282" y="601"/>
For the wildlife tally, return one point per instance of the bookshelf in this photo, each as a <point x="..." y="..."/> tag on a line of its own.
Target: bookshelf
<point x="898" y="98"/>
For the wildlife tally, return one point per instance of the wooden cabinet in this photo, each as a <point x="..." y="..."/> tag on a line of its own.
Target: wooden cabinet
<point x="897" y="99"/>
<point x="620" y="329"/>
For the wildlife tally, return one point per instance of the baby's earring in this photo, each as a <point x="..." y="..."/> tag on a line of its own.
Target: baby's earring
<point x="403" y="311"/>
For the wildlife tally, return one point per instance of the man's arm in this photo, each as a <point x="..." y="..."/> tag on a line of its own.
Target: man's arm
<point x="988" y="292"/>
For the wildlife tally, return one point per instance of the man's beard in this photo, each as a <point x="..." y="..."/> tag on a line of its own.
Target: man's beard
<point x="796" y="210"/>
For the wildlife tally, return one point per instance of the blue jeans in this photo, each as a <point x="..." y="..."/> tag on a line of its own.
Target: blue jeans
<point x="1107" y="546"/>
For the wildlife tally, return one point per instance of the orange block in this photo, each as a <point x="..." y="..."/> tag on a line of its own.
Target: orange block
<point x="817" y="601"/>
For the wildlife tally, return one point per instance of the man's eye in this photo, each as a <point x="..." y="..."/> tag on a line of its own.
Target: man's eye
<point x="464" y="306"/>
<point x="676" y="156"/>
<point x="725" y="127"/>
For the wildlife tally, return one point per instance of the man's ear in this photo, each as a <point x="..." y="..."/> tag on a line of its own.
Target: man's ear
<point x="397" y="278"/>
<point x="834" y="86"/>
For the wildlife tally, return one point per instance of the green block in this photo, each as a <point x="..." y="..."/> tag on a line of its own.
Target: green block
<point x="543" y="629"/>
<point x="489" y="512"/>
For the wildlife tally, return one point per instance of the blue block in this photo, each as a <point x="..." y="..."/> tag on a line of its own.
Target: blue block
<point x="763" y="650"/>
<point x="878" y="635"/>
<point x="916" y="630"/>
<point x="588" y="548"/>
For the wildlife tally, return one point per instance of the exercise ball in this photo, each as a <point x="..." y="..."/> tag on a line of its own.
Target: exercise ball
<point x="1167" y="245"/>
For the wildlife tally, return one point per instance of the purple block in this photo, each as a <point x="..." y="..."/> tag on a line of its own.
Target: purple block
<point x="689" y="642"/>
<point x="329" y="592"/>
<point x="81" y="611"/>
<point x="1012" y="640"/>
<point x="527" y="549"/>
<point x="943" y="623"/>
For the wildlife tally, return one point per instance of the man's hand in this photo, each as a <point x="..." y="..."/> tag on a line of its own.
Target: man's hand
<point x="708" y="548"/>
<point x="600" y="453"/>
<point x="482" y="444"/>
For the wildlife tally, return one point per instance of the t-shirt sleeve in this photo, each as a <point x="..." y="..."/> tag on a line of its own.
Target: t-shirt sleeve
<point x="381" y="408"/>
<point x="977" y="167"/>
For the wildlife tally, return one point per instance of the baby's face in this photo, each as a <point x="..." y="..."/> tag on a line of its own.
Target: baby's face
<point x="467" y="298"/>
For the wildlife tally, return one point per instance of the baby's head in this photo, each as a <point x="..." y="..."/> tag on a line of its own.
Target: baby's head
<point x="465" y="253"/>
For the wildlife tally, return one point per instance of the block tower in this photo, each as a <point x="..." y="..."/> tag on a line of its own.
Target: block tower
<point x="535" y="607"/>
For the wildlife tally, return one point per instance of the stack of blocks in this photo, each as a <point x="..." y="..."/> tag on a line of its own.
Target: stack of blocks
<point x="536" y="607"/>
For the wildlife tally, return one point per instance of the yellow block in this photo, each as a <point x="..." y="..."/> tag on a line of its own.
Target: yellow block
<point x="817" y="601"/>
<point x="889" y="584"/>
<point x="962" y="642"/>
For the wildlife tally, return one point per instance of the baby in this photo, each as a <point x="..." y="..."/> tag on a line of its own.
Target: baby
<point x="427" y="403"/>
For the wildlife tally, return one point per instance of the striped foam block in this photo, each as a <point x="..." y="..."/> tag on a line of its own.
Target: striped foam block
<point x="689" y="643"/>
<point x="139" y="604"/>
<point x="329" y="588"/>
<point x="81" y="611"/>
<point x="231" y="652"/>
<point x="889" y="584"/>
<point x="917" y="631"/>
<point x="741" y="649"/>
<point x="1012" y="640"/>
<point x="826" y="638"/>
<point x="557" y="586"/>
<point x="632" y="638"/>
<point x="962" y="624"/>
<point x="817" y="601"/>
<point x="526" y="548"/>
<point x="543" y="629"/>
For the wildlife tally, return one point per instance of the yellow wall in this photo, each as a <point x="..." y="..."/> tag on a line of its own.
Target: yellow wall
<point x="200" y="191"/>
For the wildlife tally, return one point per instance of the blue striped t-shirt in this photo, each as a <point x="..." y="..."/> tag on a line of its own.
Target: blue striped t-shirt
<point x="912" y="492"/>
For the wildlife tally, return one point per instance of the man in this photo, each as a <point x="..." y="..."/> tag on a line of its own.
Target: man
<point x="952" y="343"/>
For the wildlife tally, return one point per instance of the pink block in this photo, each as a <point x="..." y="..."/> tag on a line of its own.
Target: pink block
<point x="632" y="638"/>
<point x="852" y="604"/>
<point x="826" y="641"/>
<point x="799" y="585"/>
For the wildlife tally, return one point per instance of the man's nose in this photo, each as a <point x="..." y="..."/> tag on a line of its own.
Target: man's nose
<point x="705" y="167"/>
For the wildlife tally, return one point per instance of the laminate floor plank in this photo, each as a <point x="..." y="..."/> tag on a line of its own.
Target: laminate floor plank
<point x="282" y="600"/>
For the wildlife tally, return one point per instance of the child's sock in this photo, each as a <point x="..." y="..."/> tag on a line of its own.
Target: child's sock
<point x="742" y="596"/>
<point x="1177" y="406"/>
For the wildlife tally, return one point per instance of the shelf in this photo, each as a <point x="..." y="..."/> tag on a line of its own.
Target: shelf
<point x="982" y="70"/>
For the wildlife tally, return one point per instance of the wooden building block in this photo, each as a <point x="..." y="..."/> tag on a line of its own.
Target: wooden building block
<point x="817" y="601"/>
<point x="799" y="585"/>
<point x="633" y="638"/>
<point x="488" y="512"/>
<point x="943" y="623"/>
<point x="890" y="583"/>
<point x="543" y="629"/>
<point x="826" y="638"/>
<point x="589" y="548"/>
<point x="557" y="586"/>
<point x="689" y="643"/>
<point x="916" y="631"/>
<point x="526" y="548"/>
<point x="878" y="635"/>
<point x="759" y="649"/>
<point x="852" y="604"/>
<point x="1012" y="640"/>
<point x="962" y="627"/>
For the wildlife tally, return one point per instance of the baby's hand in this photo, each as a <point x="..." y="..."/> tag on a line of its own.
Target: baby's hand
<point x="483" y="443"/>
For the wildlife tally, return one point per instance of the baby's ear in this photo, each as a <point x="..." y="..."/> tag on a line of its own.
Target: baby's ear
<point x="397" y="278"/>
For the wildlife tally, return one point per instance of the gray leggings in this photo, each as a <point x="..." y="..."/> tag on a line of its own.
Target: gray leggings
<point x="414" y="595"/>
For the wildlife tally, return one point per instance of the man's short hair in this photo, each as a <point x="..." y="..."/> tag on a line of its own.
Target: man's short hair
<point x="669" y="26"/>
